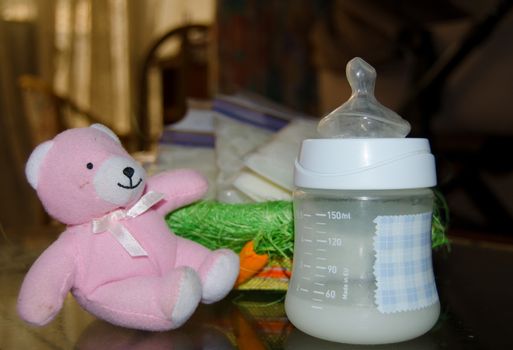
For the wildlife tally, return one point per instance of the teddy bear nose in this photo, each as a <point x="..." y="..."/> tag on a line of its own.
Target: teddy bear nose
<point x="129" y="172"/>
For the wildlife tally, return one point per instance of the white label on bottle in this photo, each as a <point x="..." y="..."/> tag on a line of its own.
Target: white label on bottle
<point x="403" y="269"/>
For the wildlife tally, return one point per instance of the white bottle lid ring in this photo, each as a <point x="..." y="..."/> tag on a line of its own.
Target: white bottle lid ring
<point x="365" y="164"/>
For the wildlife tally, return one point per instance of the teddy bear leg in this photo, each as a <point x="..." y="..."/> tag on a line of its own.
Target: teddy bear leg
<point x="147" y="303"/>
<point x="218" y="274"/>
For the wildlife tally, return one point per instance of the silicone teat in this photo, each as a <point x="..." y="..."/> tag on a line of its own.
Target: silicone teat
<point x="362" y="116"/>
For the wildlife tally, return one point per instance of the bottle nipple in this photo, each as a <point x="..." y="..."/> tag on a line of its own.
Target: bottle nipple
<point x="362" y="116"/>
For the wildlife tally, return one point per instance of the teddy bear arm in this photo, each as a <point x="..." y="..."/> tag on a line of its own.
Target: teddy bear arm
<point x="46" y="284"/>
<point x="180" y="187"/>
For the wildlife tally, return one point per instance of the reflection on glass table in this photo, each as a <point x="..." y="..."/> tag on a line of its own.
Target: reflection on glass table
<point x="476" y="310"/>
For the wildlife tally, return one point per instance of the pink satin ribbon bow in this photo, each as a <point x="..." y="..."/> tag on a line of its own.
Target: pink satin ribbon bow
<point x="112" y="223"/>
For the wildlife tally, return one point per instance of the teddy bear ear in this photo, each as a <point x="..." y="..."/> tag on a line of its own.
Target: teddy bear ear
<point x="106" y="130"/>
<point x="34" y="162"/>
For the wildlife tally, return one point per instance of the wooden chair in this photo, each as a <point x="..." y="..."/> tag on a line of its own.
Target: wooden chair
<point x="47" y="114"/>
<point x="184" y="74"/>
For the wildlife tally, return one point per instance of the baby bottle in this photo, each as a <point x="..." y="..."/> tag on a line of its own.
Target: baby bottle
<point x="362" y="271"/>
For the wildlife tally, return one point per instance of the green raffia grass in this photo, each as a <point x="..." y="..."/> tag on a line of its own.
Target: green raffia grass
<point x="269" y="224"/>
<point x="216" y="225"/>
<point x="440" y="222"/>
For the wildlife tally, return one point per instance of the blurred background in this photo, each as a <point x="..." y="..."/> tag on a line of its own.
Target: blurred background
<point x="445" y="66"/>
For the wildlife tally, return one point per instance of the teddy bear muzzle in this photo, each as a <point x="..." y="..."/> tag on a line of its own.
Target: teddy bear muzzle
<point x="129" y="172"/>
<point x="119" y="180"/>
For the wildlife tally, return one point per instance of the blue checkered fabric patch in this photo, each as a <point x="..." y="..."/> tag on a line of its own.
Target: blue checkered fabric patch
<point x="403" y="269"/>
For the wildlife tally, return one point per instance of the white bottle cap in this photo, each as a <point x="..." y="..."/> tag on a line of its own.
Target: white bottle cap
<point x="365" y="164"/>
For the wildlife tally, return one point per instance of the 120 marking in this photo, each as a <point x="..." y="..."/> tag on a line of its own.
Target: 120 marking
<point x="335" y="241"/>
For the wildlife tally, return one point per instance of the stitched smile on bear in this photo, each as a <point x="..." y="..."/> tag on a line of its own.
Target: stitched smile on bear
<point x="129" y="172"/>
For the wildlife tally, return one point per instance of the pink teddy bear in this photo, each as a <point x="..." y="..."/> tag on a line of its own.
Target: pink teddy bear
<point x="117" y="255"/>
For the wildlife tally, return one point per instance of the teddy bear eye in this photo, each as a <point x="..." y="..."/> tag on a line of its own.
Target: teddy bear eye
<point x="89" y="166"/>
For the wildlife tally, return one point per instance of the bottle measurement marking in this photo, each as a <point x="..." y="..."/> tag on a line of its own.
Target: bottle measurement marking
<point x="320" y="223"/>
<point x="330" y="294"/>
<point x="320" y="249"/>
<point x="307" y="215"/>
<point x="303" y="290"/>
<point x="319" y="275"/>
<point x="307" y="265"/>
<point x="338" y="215"/>
<point x="320" y="258"/>
<point x="322" y="215"/>
<point x="321" y="232"/>
<point x="319" y="284"/>
<point x="319" y="292"/>
<point x="308" y="253"/>
<point x="316" y="307"/>
<point x="308" y="228"/>
<point x="335" y="241"/>
<point x="321" y="267"/>
<point x="317" y="300"/>
<point x="307" y="240"/>
<point x="321" y="240"/>
<point x="306" y="278"/>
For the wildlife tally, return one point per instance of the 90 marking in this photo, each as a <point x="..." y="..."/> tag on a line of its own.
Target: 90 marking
<point x="332" y="269"/>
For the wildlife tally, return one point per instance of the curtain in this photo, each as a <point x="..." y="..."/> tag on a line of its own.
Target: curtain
<point x="19" y="49"/>
<point x="90" y="51"/>
<point x="100" y="46"/>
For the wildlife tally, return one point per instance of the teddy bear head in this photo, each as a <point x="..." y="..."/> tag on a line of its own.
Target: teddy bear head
<point x="84" y="173"/>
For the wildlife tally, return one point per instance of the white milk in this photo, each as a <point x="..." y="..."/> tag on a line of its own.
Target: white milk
<point x="332" y="291"/>
<point x="358" y="325"/>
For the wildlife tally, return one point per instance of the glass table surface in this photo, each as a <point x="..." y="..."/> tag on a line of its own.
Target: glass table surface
<point x="472" y="280"/>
